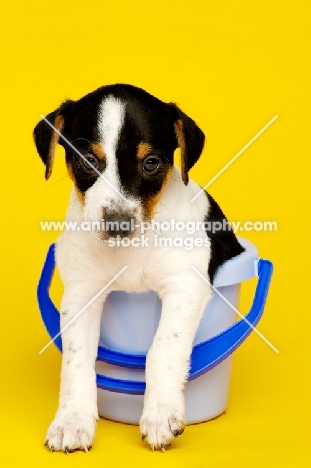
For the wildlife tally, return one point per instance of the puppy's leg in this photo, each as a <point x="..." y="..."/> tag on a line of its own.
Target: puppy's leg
<point x="75" y="420"/>
<point x="167" y="364"/>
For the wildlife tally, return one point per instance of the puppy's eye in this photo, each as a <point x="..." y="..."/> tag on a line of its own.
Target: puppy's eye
<point x="90" y="163"/>
<point x="151" y="164"/>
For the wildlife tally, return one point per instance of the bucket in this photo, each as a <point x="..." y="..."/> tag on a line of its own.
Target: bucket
<point x="129" y="323"/>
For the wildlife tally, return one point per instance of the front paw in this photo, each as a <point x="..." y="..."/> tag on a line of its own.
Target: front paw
<point x="71" y="430"/>
<point x="161" y="422"/>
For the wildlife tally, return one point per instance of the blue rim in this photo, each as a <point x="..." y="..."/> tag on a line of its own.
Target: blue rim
<point x="205" y="355"/>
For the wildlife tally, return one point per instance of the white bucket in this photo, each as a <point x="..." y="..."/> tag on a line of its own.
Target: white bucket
<point x="129" y="323"/>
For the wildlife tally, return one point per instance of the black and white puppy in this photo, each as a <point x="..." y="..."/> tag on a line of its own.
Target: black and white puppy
<point x="128" y="138"/>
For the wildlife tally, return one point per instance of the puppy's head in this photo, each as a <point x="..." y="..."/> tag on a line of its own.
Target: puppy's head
<point x="119" y="143"/>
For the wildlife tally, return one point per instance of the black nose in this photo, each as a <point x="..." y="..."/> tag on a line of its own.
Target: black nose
<point x="118" y="225"/>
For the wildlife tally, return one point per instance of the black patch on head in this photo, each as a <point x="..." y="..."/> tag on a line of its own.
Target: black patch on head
<point x="224" y="244"/>
<point x="82" y="131"/>
<point x="148" y="120"/>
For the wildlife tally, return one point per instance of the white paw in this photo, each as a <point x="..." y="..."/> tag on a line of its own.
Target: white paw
<point x="161" y="422"/>
<point x="71" y="430"/>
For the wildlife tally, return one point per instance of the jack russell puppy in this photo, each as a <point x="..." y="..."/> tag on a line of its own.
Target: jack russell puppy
<point x="119" y="144"/>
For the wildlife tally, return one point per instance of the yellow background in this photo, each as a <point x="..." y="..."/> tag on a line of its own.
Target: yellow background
<point x="232" y="66"/>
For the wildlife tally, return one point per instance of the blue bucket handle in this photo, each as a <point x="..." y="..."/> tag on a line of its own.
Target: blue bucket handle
<point x="205" y="355"/>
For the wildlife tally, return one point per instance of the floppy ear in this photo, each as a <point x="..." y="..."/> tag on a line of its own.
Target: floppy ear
<point x="190" y="139"/>
<point x="46" y="138"/>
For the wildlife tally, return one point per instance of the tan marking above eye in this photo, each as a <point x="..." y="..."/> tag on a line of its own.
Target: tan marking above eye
<point x="143" y="149"/>
<point x="98" y="151"/>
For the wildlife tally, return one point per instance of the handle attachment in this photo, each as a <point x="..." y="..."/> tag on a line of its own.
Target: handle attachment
<point x="205" y="355"/>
